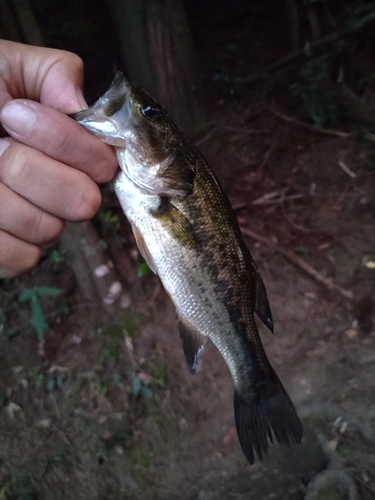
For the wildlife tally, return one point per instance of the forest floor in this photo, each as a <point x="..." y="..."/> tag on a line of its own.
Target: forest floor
<point x="105" y="407"/>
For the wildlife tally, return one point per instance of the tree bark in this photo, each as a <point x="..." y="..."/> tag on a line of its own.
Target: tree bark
<point x="159" y="55"/>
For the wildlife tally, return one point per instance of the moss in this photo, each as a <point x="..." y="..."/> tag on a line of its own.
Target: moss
<point x="158" y="369"/>
<point x="17" y="487"/>
<point x="113" y="334"/>
<point x="140" y="461"/>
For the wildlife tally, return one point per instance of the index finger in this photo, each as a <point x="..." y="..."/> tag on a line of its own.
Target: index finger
<point x="59" y="137"/>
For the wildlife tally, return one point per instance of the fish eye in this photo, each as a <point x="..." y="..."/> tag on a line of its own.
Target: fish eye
<point x="152" y="111"/>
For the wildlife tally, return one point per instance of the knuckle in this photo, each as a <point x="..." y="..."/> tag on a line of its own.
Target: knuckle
<point x="61" y="144"/>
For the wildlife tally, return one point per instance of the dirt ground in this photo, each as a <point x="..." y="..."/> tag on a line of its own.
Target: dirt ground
<point x="106" y="409"/>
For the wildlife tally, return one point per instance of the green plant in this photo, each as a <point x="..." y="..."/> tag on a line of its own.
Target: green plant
<point x="109" y="225"/>
<point x="142" y="269"/>
<point x="33" y="296"/>
<point x="301" y="250"/>
<point x="109" y="222"/>
<point x="139" y="387"/>
<point x="35" y="377"/>
<point x="56" y="256"/>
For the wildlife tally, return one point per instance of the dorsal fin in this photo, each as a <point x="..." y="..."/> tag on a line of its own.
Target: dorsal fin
<point x="193" y="343"/>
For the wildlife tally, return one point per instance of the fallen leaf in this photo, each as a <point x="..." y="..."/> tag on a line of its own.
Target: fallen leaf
<point x="351" y="334"/>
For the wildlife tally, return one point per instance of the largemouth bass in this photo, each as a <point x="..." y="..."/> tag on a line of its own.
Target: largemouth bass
<point x="188" y="234"/>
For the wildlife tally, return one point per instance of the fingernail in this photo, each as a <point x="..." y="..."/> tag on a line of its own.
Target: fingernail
<point x="19" y="117"/>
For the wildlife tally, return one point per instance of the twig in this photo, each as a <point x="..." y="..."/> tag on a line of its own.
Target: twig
<point x="293" y="224"/>
<point x="267" y="155"/>
<point x="346" y="169"/>
<point x="255" y="236"/>
<point x="245" y="130"/>
<point x="291" y="119"/>
<point x="328" y="282"/>
<point x="220" y="125"/>
<point x="276" y="201"/>
<point x="209" y="134"/>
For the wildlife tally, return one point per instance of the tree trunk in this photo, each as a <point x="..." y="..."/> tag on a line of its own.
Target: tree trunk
<point x="159" y="55"/>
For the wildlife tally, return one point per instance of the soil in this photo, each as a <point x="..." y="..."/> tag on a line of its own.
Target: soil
<point x="104" y="407"/>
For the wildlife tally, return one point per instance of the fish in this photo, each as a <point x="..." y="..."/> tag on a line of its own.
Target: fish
<point x="189" y="236"/>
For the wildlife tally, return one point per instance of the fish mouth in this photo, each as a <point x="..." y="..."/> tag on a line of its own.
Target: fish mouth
<point x="109" y="116"/>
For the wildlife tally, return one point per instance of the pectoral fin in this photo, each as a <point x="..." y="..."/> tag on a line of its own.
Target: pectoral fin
<point x="176" y="223"/>
<point x="142" y="247"/>
<point x="193" y="343"/>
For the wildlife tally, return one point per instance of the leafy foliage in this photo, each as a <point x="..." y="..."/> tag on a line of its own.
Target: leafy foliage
<point x="320" y="101"/>
<point x="33" y="296"/>
<point x="359" y="16"/>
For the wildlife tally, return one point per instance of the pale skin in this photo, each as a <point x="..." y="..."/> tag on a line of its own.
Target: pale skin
<point x="50" y="167"/>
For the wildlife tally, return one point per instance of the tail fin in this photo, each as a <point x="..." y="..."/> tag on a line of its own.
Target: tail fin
<point x="270" y="414"/>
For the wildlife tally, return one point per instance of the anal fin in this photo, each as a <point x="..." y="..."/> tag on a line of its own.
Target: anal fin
<point x="193" y="343"/>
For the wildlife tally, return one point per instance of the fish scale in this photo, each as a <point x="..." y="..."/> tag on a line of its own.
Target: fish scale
<point x="187" y="232"/>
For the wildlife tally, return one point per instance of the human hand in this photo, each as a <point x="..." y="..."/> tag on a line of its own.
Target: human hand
<point x="49" y="165"/>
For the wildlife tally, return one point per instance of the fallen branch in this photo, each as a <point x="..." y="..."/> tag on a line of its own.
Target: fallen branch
<point x="327" y="282"/>
<point x="98" y="280"/>
<point x="327" y="131"/>
<point x="292" y="119"/>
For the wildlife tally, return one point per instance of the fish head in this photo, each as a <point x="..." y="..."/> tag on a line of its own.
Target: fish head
<point x="128" y="117"/>
<point x="149" y="144"/>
